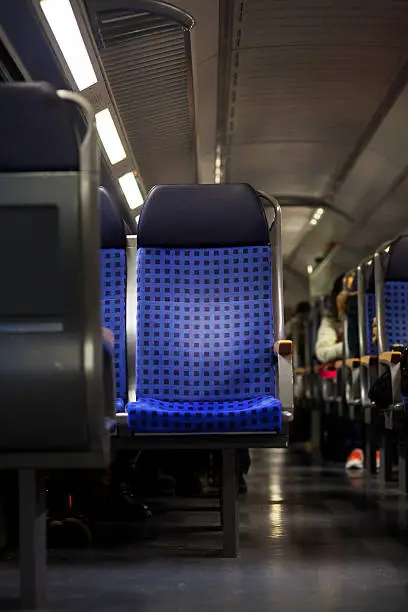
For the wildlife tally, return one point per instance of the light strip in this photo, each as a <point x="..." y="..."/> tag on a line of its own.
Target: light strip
<point x="64" y="26"/>
<point x="317" y="215"/>
<point x="131" y="190"/>
<point x="109" y="136"/>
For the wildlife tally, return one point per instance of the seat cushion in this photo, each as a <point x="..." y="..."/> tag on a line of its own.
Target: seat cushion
<point x="261" y="413"/>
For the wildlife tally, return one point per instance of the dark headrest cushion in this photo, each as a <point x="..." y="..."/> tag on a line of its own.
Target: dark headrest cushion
<point x="113" y="234"/>
<point x="202" y="216"/>
<point x="38" y="131"/>
<point x="396" y="261"/>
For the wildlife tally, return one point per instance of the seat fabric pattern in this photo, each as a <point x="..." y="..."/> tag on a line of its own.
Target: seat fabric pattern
<point x="372" y="348"/>
<point x="396" y="313"/>
<point x="205" y="358"/>
<point x="257" y="414"/>
<point x="113" y="306"/>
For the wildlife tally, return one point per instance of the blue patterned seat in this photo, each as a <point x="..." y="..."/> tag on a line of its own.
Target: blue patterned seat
<point x="396" y="312"/>
<point x="205" y="359"/>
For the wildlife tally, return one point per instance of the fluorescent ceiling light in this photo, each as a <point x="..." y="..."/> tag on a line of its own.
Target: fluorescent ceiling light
<point x="309" y="269"/>
<point x="131" y="190"/>
<point x="63" y="24"/>
<point x="109" y="136"/>
<point x="387" y="250"/>
<point x="313" y="221"/>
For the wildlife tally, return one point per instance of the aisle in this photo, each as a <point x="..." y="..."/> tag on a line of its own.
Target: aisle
<point x="304" y="545"/>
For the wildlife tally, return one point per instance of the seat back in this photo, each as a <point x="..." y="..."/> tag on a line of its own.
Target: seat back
<point x="391" y="288"/>
<point x="51" y="389"/>
<point x="366" y="306"/>
<point x="113" y="288"/>
<point x="205" y="316"/>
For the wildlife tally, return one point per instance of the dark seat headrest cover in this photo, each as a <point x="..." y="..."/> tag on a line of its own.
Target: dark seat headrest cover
<point x="113" y="235"/>
<point x="188" y="216"/>
<point x="38" y="129"/>
<point x="396" y="261"/>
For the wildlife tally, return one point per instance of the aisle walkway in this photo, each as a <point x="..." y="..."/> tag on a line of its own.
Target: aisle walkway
<point x="305" y="545"/>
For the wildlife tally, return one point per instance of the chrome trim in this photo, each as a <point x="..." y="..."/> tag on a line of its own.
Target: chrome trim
<point x="380" y="299"/>
<point x="131" y="314"/>
<point x="277" y="267"/>
<point x="89" y="176"/>
<point x="362" y="338"/>
<point x="284" y="370"/>
<point x="159" y="7"/>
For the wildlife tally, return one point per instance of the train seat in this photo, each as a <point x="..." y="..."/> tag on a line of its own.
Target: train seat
<point x="391" y="287"/>
<point x="113" y="290"/>
<point x="205" y="358"/>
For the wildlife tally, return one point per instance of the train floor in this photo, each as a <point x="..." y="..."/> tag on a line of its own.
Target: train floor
<point x="311" y="539"/>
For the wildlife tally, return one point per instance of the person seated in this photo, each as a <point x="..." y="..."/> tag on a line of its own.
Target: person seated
<point x="329" y="348"/>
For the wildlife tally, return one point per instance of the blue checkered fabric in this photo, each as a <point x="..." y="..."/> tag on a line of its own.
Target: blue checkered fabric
<point x="372" y="348"/>
<point x="113" y="306"/>
<point x="204" y="341"/>
<point x="396" y="313"/>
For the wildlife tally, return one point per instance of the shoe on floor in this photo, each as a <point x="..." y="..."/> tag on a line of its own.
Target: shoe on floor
<point x="355" y="460"/>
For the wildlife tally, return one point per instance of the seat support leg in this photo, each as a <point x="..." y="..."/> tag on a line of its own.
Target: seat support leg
<point x="32" y="527"/>
<point x="386" y="457"/>
<point x="229" y="505"/>
<point x="316" y="433"/>
<point x="402" y="463"/>
<point x="371" y="448"/>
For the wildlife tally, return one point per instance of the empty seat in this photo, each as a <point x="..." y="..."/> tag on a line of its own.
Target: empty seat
<point x="392" y="291"/>
<point x="113" y="288"/>
<point x="205" y="335"/>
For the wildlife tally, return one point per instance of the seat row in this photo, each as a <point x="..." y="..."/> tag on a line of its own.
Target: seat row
<point x="194" y="303"/>
<point x="366" y="384"/>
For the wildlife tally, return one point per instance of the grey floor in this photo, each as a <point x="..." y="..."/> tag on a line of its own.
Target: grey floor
<point x="310" y="539"/>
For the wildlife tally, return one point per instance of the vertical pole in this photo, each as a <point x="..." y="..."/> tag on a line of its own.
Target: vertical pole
<point x="32" y="525"/>
<point x="230" y="509"/>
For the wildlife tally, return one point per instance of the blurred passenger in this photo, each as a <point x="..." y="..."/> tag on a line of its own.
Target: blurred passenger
<point x="329" y="342"/>
<point x="329" y="348"/>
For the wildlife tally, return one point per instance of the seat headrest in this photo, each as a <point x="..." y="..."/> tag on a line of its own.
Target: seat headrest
<point x="113" y="235"/>
<point x="396" y="268"/>
<point x="189" y="216"/>
<point x="38" y="130"/>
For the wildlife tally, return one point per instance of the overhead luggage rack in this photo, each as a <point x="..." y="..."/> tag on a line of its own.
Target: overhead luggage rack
<point x="145" y="50"/>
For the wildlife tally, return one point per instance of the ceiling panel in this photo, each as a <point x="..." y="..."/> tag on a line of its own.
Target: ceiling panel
<point x="294" y="222"/>
<point x="295" y="168"/>
<point x="307" y="79"/>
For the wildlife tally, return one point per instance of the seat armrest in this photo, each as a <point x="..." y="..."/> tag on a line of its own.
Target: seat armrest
<point x="338" y="364"/>
<point x="369" y="360"/>
<point x="284" y="376"/>
<point x="353" y="362"/>
<point x="390" y="357"/>
<point x="283" y="347"/>
<point x="300" y="371"/>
